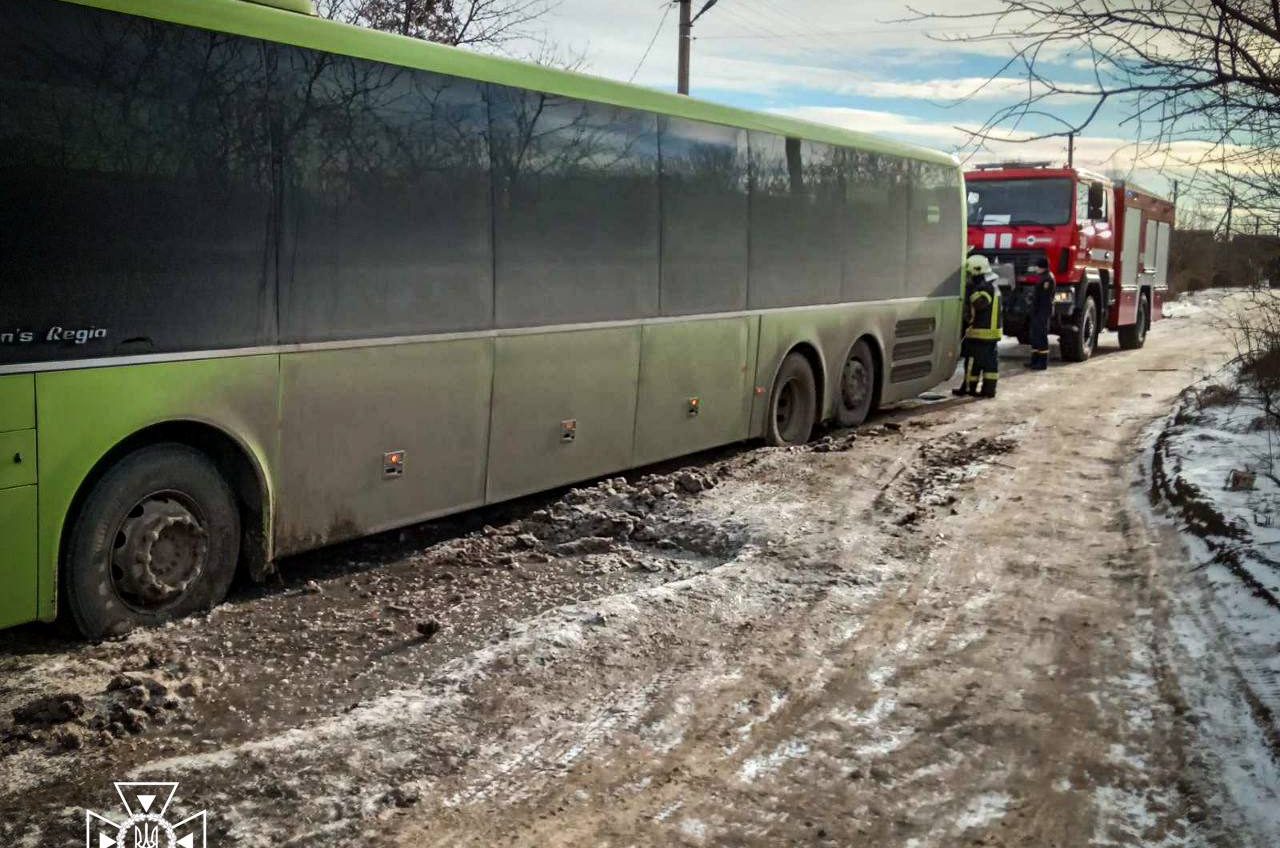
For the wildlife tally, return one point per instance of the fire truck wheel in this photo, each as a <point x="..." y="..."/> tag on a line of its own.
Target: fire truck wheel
<point x="1078" y="345"/>
<point x="1135" y="335"/>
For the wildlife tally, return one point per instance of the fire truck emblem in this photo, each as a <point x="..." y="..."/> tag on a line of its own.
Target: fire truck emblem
<point x="145" y="804"/>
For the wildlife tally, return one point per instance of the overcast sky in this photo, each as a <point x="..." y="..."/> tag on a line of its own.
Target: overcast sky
<point x="851" y="63"/>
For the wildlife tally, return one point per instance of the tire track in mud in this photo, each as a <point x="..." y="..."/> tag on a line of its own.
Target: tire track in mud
<point x="786" y="725"/>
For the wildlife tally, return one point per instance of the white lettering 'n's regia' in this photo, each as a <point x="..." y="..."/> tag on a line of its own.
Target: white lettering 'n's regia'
<point x="77" y="335"/>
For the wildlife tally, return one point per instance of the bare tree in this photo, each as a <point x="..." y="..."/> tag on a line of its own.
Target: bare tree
<point x="1186" y="70"/>
<point x="494" y="24"/>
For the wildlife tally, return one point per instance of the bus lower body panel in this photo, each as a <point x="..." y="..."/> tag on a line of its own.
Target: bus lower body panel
<point x="89" y="415"/>
<point x="347" y="441"/>
<point x="19" y="572"/>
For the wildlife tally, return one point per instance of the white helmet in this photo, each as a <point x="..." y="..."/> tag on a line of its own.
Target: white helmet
<point x="977" y="265"/>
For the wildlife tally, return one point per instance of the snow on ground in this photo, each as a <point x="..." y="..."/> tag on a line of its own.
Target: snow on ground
<point x="1193" y="304"/>
<point x="1226" y="614"/>
<point x="1184" y="307"/>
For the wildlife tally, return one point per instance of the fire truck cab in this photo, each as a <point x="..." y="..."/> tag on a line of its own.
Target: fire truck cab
<point x="1106" y="243"/>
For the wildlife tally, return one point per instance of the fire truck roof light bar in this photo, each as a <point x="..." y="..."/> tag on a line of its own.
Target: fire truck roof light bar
<point x="1002" y="166"/>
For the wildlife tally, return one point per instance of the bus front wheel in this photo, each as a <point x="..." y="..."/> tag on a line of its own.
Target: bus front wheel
<point x="793" y="403"/>
<point x="156" y="539"/>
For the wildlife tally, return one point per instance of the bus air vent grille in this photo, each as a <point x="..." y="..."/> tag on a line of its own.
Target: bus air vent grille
<point x="914" y="327"/>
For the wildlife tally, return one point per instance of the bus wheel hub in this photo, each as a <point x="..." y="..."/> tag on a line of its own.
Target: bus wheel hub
<point x="161" y="550"/>
<point x="856" y="381"/>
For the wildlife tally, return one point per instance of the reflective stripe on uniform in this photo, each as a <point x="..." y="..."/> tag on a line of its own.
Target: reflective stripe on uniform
<point x="993" y="331"/>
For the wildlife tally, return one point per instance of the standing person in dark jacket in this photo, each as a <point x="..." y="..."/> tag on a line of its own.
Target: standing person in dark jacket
<point x="1041" y="310"/>
<point x="984" y="326"/>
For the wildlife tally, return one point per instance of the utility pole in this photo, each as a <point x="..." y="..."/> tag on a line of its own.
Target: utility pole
<point x="1071" y="150"/>
<point x="687" y="20"/>
<point x="686" y="37"/>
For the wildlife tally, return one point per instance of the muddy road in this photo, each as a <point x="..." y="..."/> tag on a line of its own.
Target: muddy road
<point x="946" y="628"/>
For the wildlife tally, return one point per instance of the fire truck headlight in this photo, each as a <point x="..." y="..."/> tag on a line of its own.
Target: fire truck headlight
<point x="1065" y="296"/>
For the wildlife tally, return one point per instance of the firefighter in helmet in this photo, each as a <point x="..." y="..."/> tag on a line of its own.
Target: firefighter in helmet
<point x="983" y="329"/>
<point x="1041" y="311"/>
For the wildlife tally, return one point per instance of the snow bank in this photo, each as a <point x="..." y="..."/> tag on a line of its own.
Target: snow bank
<point x="1214" y="478"/>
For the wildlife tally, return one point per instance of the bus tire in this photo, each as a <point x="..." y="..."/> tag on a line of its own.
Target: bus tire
<point x="157" y="538"/>
<point x="793" y="403"/>
<point x="1078" y="344"/>
<point x="1134" y="336"/>
<point x="857" y="386"/>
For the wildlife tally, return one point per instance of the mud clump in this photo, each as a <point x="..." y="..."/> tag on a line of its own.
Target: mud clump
<point x="946" y="465"/>
<point x="130" y="704"/>
<point x="587" y="545"/>
<point x="49" y="710"/>
<point x="427" y="628"/>
<point x="650" y="512"/>
<point x="949" y="462"/>
<point x="613" y="518"/>
<point x="834" y="444"/>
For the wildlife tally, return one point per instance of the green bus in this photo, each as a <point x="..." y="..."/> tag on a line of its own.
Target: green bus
<point x="269" y="282"/>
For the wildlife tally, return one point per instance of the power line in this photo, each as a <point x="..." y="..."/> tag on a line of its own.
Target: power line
<point x="735" y="18"/>
<point x="774" y="21"/>
<point x="665" y="12"/>
<point x="752" y="35"/>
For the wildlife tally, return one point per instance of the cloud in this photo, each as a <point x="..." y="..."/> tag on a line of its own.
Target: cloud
<point x="1111" y="154"/>
<point x="841" y="39"/>
<point x="974" y="89"/>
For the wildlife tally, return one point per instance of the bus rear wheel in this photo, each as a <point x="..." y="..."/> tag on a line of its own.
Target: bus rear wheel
<point x="857" y="386"/>
<point x="156" y="539"/>
<point x="793" y="403"/>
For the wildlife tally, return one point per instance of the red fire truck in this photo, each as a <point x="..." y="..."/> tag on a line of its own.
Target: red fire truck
<point x="1107" y="244"/>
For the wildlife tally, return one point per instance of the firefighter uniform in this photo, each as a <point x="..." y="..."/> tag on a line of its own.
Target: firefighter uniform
<point x="984" y="327"/>
<point x="1041" y="311"/>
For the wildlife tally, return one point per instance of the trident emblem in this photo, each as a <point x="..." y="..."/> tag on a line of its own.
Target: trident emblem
<point x="146" y="836"/>
<point x="145" y="805"/>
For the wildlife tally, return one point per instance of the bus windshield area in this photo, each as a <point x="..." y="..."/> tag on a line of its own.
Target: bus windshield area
<point x="1012" y="203"/>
